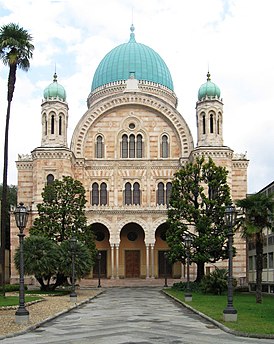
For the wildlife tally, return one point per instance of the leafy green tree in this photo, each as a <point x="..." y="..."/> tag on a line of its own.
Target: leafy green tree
<point x="83" y="259"/>
<point x="62" y="216"/>
<point x="16" y="51"/>
<point x="44" y="259"/>
<point x="41" y="259"/>
<point x="199" y="196"/>
<point x="258" y="210"/>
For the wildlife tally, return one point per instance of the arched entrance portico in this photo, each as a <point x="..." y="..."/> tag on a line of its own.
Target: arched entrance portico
<point x="161" y="246"/>
<point x="102" y="244"/>
<point x="132" y="251"/>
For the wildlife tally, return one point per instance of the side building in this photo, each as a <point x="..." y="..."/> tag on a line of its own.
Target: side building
<point x="268" y="255"/>
<point x="125" y="150"/>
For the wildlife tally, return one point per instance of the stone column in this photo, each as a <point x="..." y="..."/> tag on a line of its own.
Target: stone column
<point x="152" y="260"/>
<point x="147" y="260"/>
<point x="117" y="261"/>
<point x="112" y="260"/>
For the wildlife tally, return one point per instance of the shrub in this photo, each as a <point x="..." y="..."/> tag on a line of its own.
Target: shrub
<point x="215" y="282"/>
<point x="182" y="286"/>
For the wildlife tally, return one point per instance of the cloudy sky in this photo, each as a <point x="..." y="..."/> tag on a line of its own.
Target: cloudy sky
<point x="233" y="38"/>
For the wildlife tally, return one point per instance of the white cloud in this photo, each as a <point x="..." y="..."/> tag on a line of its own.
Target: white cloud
<point x="232" y="38"/>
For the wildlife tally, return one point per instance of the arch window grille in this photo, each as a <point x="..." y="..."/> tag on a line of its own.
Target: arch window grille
<point x="163" y="193"/>
<point x="99" y="194"/>
<point x="52" y="125"/>
<point x="60" y="125"/>
<point x="164" y="147"/>
<point x="99" y="147"/>
<point x="132" y="146"/>
<point x="204" y="124"/>
<point x="211" y="124"/>
<point x="132" y="195"/>
<point x="50" y="179"/>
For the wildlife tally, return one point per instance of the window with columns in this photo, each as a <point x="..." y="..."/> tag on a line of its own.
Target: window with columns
<point x="163" y="193"/>
<point x="99" y="194"/>
<point x="132" y="146"/>
<point x="132" y="194"/>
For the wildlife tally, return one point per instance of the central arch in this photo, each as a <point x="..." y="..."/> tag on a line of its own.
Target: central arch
<point x="133" y="251"/>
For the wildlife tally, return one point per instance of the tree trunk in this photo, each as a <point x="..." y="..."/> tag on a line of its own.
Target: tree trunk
<point x="259" y="266"/>
<point x="200" y="271"/>
<point x="4" y="206"/>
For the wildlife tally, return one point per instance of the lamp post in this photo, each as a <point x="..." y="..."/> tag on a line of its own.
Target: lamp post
<point x="21" y="217"/>
<point x="188" y="242"/>
<point x="230" y="313"/>
<point x="73" y="295"/>
<point x="165" y="268"/>
<point x="99" y="256"/>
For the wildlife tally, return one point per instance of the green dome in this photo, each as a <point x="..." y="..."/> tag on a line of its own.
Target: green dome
<point x="209" y="89"/>
<point x="132" y="58"/>
<point x="55" y="90"/>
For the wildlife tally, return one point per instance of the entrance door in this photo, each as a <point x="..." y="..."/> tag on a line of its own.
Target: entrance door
<point x="132" y="263"/>
<point x="103" y="266"/>
<point x="161" y="265"/>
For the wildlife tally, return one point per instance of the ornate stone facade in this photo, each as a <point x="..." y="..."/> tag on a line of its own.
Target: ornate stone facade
<point x="125" y="150"/>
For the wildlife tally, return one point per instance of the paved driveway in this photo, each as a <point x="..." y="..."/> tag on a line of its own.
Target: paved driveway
<point x="130" y="315"/>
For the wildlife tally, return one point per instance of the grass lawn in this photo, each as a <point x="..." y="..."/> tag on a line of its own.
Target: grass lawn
<point x="252" y="317"/>
<point x="14" y="300"/>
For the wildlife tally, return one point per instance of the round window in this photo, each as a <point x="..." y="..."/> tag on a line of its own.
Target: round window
<point x="132" y="236"/>
<point x="100" y="236"/>
<point x="131" y="126"/>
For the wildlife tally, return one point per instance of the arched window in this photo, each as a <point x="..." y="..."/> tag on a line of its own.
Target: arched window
<point x="103" y="194"/>
<point x="95" y="194"/>
<point x="136" y="193"/>
<point x="99" y="147"/>
<point x="139" y="146"/>
<point x="60" y="125"/>
<point x="124" y="146"/>
<point x="52" y="124"/>
<point x="161" y="194"/>
<point x="168" y="191"/>
<point x="211" y="123"/>
<point x="204" y="124"/>
<point x="164" y="152"/>
<point x="50" y="179"/>
<point x="128" y="194"/>
<point x="131" y="146"/>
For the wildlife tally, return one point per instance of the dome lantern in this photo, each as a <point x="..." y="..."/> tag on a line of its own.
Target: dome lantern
<point x="209" y="89"/>
<point x="55" y="90"/>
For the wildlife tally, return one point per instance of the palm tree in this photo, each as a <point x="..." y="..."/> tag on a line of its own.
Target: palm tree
<point x="258" y="209"/>
<point x="15" y="51"/>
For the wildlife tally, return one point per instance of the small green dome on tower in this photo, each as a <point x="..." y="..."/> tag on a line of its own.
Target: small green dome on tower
<point x="55" y="90"/>
<point x="209" y="89"/>
<point x="129" y="59"/>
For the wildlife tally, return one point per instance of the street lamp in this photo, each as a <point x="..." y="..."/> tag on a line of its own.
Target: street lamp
<point x="165" y="268"/>
<point x="188" y="243"/>
<point x="230" y="313"/>
<point x="99" y="256"/>
<point x="73" y="295"/>
<point x="21" y="217"/>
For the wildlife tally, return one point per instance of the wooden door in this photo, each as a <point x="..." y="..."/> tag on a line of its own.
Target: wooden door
<point x="132" y="263"/>
<point x="161" y="265"/>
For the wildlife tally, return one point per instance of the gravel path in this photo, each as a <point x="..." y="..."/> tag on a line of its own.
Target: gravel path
<point x="41" y="311"/>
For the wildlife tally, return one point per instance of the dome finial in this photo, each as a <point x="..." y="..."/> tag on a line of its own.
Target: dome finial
<point x="54" y="77"/>
<point x="132" y="34"/>
<point x="208" y="76"/>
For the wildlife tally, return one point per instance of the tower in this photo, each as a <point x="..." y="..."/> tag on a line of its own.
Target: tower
<point x="209" y="115"/>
